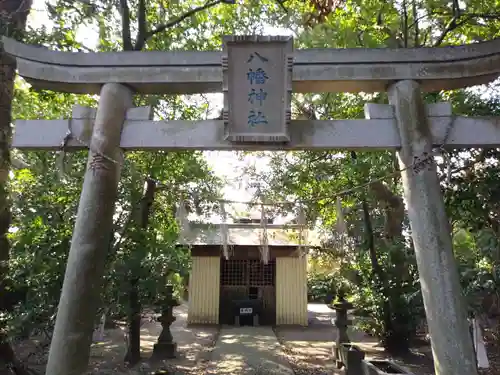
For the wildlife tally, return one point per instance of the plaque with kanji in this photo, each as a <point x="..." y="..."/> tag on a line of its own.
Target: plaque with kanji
<point x="257" y="86"/>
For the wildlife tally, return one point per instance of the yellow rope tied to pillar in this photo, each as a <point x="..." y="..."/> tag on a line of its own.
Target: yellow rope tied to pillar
<point x="224" y="232"/>
<point x="181" y="217"/>
<point x="264" y="241"/>
<point x="303" y="232"/>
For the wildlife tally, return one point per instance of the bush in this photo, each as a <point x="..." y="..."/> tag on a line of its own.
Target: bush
<point x="321" y="287"/>
<point x="389" y="302"/>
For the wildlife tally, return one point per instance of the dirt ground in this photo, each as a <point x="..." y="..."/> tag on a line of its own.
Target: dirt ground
<point x="193" y="345"/>
<point x="308" y="349"/>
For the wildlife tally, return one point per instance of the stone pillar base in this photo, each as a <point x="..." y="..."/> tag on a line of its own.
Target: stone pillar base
<point x="165" y="350"/>
<point x="255" y="320"/>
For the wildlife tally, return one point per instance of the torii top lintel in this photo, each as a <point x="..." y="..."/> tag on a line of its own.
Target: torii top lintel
<point x="314" y="70"/>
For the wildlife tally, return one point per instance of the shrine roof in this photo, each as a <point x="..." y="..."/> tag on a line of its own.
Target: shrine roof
<point x="210" y="234"/>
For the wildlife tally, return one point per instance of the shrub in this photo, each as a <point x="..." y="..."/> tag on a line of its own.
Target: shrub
<point x="321" y="287"/>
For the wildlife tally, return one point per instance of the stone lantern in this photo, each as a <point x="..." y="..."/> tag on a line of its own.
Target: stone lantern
<point x="166" y="347"/>
<point x="342" y="322"/>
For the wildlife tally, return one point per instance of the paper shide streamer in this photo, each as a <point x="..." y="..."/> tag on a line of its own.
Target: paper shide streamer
<point x="303" y="232"/>
<point x="181" y="216"/>
<point x="264" y="240"/>
<point x="224" y="233"/>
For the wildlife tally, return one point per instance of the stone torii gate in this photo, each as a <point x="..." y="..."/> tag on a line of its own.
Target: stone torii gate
<point x="257" y="75"/>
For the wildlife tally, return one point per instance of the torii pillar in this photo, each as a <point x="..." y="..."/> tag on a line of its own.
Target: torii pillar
<point x="70" y="346"/>
<point x="431" y="233"/>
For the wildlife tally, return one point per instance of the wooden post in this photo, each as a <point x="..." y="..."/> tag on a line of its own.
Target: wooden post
<point x="431" y="233"/>
<point x="70" y="346"/>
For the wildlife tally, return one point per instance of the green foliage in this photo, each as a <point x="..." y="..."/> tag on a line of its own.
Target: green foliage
<point x="321" y="287"/>
<point x="385" y="287"/>
<point x="45" y="200"/>
<point x="393" y="308"/>
<point x="45" y="195"/>
<point x="479" y="265"/>
<point x="45" y="203"/>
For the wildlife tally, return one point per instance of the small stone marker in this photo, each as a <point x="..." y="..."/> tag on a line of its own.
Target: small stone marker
<point x="479" y="346"/>
<point x="257" y="86"/>
<point x="99" y="332"/>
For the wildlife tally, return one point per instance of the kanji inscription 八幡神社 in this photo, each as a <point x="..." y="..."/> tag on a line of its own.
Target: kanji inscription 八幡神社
<point x="257" y="88"/>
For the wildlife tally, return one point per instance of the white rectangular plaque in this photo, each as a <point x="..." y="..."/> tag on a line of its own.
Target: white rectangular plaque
<point x="246" y="310"/>
<point x="257" y="86"/>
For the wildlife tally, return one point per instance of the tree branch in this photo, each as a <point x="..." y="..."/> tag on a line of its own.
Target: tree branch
<point x="394" y="208"/>
<point x="461" y="19"/>
<point x="127" y="39"/>
<point x="306" y="112"/>
<point x="416" y="36"/>
<point x="406" y="30"/>
<point x="486" y="16"/>
<point x="141" y="24"/>
<point x="160" y="28"/>
<point x="321" y="157"/>
<point x="480" y="158"/>
<point x="452" y="25"/>
<point x="124" y="226"/>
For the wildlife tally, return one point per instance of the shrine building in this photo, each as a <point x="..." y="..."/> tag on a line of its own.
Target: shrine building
<point x="244" y="282"/>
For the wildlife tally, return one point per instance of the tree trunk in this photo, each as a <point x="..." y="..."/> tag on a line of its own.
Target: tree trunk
<point x="394" y="340"/>
<point x="400" y="333"/>
<point x="13" y="15"/>
<point x="378" y="272"/>
<point x="394" y="209"/>
<point x="133" y="355"/>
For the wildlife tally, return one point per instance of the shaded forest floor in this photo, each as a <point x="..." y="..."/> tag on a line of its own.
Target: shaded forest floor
<point x="193" y="344"/>
<point x="310" y="353"/>
<point x="308" y="349"/>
